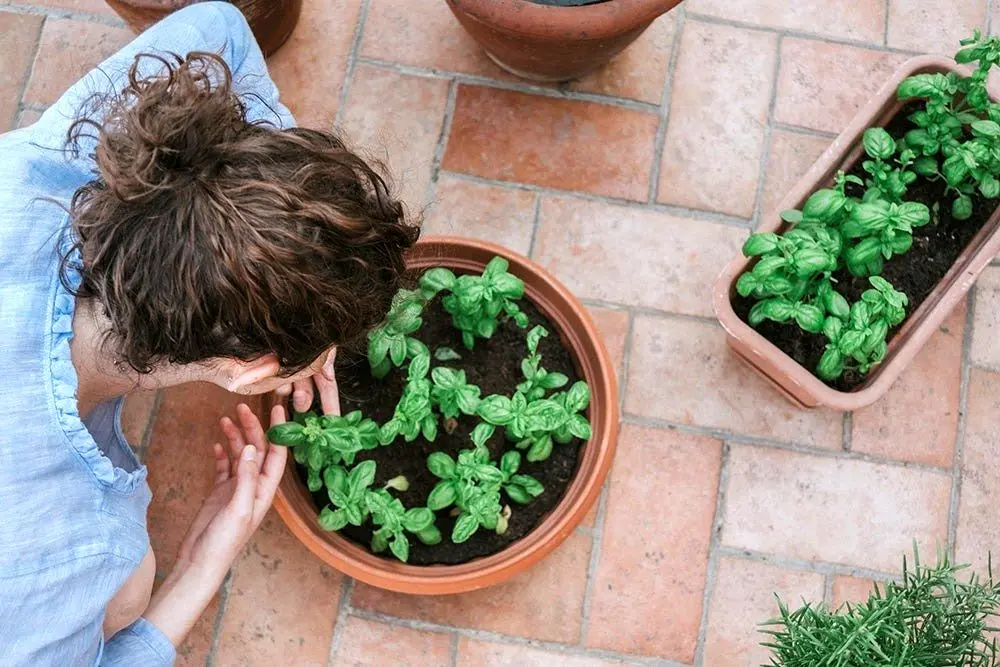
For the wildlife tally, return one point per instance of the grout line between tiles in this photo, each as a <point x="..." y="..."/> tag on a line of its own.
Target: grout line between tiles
<point x="536" y="215"/>
<point x="758" y="442"/>
<point x="513" y="640"/>
<point x="828" y="590"/>
<point x="681" y="211"/>
<point x="848" y="431"/>
<point x="804" y="131"/>
<point x="817" y="566"/>
<point x="514" y="86"/>
<point x="988" y="22"/>
<point x="626" y="362"/>
<point x="147" y="432"/>
<point x="963" y="410"/>
<point x="765" y="153"/>
<point x="595" y="558"/>
<point x="453" y="651"/>
<point x="660" y="139"/>
<point x="885" y="26"/>
<point x="56" y="13"/>
<point x="442" y="143"/>
<point x="30" y="70"/>
<point x="799" y="34"/>
<point x="352" y="59"/>
<point x="343" y="611"/>
<point x="713" y="555"/>
<point x="224" y="590"/>
<point x="654" y="312"/>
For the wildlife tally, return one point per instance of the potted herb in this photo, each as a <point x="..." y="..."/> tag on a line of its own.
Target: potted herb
<point x="878" y="241"/>
<point x="556" y="40"/>
<point x="479" y="423"/>
<point x="929" y="619"/>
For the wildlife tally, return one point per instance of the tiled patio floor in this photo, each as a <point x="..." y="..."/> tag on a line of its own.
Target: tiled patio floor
<point x="635" y="186"/>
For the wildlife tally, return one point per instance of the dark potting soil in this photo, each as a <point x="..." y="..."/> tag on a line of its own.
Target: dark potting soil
<point x="495" y="367"/>
<point x="936" y="246"/>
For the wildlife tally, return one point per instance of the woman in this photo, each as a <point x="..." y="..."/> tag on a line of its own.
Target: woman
<point x="191" y="235"/>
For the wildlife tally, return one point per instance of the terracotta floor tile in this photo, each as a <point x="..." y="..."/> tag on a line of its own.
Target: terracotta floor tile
<point x="613" y="326"/>
<point x="681" y="370"/>
<point x="556" y="143"/>
<point x="266" y="622"/>
<point x="68" y="49"/>
<point x="978" y="533"/>
<point x="852" y="19"/>
<point x="791" y="156"/>
<point x="934" y="26"/>
<point x="96" y="7"/>
<point x="474" y="653"/>
<point x="136" y="414"/>
<point x="832" y="509"/>
<point x="28" y="117"/>
<point x="423" y="33"/>
<point x="986" y="322"/>
<point x="374" y="120"/>
<point x="491" y="213"/>
<point x="645" y="549"/>
<point x="365" y="643"/>
<point x="718" y="107"/>
<point x="822" y="85"/>
<point x="640" y="71"/>
<point x="671" y="262"/>
<point x="929" y="387"/>
<point x="18" y="36"/>
<point x="850" y="589"/>
<point x="544" y="603"/>
<point x="180" y="462"/>
<point x="742" y="599"/>
<point x="309" y="68"/>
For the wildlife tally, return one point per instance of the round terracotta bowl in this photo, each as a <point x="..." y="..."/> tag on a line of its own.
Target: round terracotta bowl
<point x="272" y="21"/>
<point x="578" y="333"/>
<point x="555" y="43"/>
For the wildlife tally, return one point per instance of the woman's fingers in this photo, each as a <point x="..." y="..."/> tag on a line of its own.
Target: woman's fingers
<point x="221" y="463"/>
<point x="234" y="437"/>
<point x="241" y="506"/>
<point x="329" y="396"/>
<point x="271" y="471"/>
<point x="253" y="432"/>
<point x="302" y="395"/>
<point x="284" y="390"/>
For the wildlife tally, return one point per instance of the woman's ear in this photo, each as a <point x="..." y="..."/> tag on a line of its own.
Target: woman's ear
<point x="240" y="377"/>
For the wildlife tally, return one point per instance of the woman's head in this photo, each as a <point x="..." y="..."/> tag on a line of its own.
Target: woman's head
<point x="207" y="238"/>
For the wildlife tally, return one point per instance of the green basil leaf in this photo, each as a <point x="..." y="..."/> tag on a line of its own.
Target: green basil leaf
<point x="791" y="216"/>
<point x="954" y="169"/>
<point x="824" y="205"/>
<point x="913" y="213"/>
<point x="332" y="520"/>
<point x="313" y="480"/>
<point x="510" y="462"/>
<point x="435" y="280"/>
<point x="482" y="433"/>
<point x="448" y="378"/>
<point x="485" y="328"/>
<point x="766" y="266"/>
<point x="517" y="493"/>
<point x="415" y="348"/>
<point x="315" y="458"/>
<point x="441" y="465"/>
<point x="545" y="415"/>
<point x="446" y="354"/>
<point x="990" y="187"/>
<point x="831" y="364"/>
<point x="397" y="350"/>
<point x="920" y="85"/>
<point x="961" y="208"/>
<point x="926" y="166"/>
<point x="535" y="336"/>
<point x="810" y="261"/>
<point x="836" y="304"/>
<point x="419" y="367"/>
<point x="579" y="427"/>
<point x="778" y="310"/>
<point x="400" y="547"/>
<point x="832" y="328"/>
<point x="901" y="242"/>
<point x="379" y="542"/>
<point x="554" y="381"/>
<point x="878" y="143"/>
<point x="353" y="514"/>
<point x="496" y="410"/>
<point x="760" y="244"/>
<point x="508" y="286"/>
<point x="289" y="434"/>
<point x="442" y="495"/>
<point x="986" y="128"/>
<point x="850" y="342"/>
<point x="464" y="528"/>
<point x="389" y="432"/>
<point x="378" y="347"/>
<point x="540" y="449"/>
<point x="417" y="519"/>
<point x="429" y="428"/>
<point x="489" y="474"/>
<point x="335" y="478"/>
<point x="809" y="318"/>
<point x="430" y="535"/>
<point x="529" y="484"/>
<point x="361" y="476"/>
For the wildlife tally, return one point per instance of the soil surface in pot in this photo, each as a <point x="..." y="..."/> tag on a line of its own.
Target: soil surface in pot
<point x="936" y="246"/>
<point x="568" y="3"/>
<point x="495" y="367"/>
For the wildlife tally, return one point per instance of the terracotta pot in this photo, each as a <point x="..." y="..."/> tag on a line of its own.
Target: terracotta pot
<point x="272" y="21"/>
<point x="552" y="43"/>
<point x="578" y="333"/>
<point x="798" y="383"/>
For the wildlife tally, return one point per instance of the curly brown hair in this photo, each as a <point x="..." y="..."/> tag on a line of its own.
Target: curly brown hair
<point x="205" y="235"/>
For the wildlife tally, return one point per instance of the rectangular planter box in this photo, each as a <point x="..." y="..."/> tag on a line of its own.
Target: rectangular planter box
<point x="798" y="383"/>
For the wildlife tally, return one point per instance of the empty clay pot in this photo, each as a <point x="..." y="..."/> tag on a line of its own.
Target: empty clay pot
<point x="798" y="383"/>
<point x="578" y="333"/>
<point x="272" y="21"/>
<point x="545" y="42"/>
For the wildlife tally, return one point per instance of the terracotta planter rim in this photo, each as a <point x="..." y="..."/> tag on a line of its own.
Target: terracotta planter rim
<point x="798" y="383"/>
<point x="589" y="22"/>
<point x="294" y="504"/>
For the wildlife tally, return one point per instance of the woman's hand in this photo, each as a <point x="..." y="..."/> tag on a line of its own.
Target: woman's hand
<point x="247" y="472"/>
<point x="323" y="382"/>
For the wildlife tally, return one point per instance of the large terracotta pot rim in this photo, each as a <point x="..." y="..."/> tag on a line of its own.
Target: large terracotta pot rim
<point x="795" y="381"/>
<point x="577" y="332"/>
<point x="589" y="22"/>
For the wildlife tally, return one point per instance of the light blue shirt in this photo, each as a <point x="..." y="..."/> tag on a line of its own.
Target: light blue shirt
<point x="73" y="497"/>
